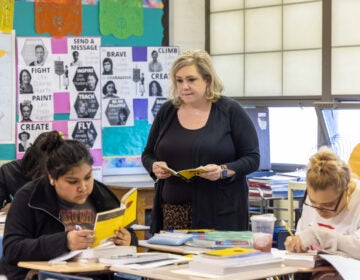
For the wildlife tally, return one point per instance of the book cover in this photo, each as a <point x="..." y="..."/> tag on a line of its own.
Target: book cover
<point x="222" y="239"/>
<point x="107" y="222"/>
<point x="185" y="174"/>
<point x="235" y="252"/>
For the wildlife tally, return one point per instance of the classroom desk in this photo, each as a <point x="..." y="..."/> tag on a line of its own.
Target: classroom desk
<point x="68" y="267"/>
<point x="169" y="273"/>
<point x="144" y="202"/>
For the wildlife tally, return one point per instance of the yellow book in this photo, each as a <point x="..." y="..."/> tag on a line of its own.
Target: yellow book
<point x="107" y="222"/>
<point x="234" y="252"/>
<point x="185" y="174"/>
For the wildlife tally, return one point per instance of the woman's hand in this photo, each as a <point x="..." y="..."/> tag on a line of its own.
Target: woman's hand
<point x="122" y="237"/>
<point x="213" y="172"/>
<point x="159" y="172"/>
<point x="6" y="208"/>
<point x="80" y="239"/>
<point x="293" y="244"/>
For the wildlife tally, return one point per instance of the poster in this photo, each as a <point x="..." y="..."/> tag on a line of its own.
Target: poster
<point x="135" y="82"/>
<point x="129" y="73"/>
<point x="59" y="79"/>
<point x="7" y="86"/>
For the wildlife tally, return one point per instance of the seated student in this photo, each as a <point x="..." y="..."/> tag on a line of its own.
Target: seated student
<point x="331" y="210"/>
<point x="44" y="214"/>
<point x="14" y="174"/>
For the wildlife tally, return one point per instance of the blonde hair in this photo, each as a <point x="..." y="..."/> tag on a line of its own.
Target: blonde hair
<point x="202" y="61"/>
<point x="326" y="170"/>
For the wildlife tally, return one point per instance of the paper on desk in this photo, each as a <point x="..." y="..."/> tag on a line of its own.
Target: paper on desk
<point x="172" y="259"/>
<point x="349" y="268"/>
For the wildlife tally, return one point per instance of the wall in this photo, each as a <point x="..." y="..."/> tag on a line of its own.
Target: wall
<point x="187" y="24"/>
<point x="186" y="30"/>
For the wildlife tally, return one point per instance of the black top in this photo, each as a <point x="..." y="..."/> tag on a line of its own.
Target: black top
<point x="181" y="140"/>
<point x="33" y="228"/>
<point x="230" y="138"/>
<point x="12" y="178"/>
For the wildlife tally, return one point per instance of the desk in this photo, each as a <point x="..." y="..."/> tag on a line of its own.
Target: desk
<point x="69" y="267"/>
<point x="144" y="202"/>
<point x="167" y="273"/>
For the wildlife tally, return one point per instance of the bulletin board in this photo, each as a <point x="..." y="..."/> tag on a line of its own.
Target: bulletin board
<point x="121" y="145"/>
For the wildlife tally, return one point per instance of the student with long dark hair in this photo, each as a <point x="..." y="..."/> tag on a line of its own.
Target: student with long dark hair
<point x="45" y="213"/>
<point x="14" y="174"/>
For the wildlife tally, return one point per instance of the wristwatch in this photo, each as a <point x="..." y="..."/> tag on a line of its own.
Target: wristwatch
<point x="224" y="171"/>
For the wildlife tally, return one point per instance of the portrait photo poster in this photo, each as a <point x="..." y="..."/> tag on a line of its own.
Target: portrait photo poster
<point x="106" y="97"/>
<point x="58" y="88"/>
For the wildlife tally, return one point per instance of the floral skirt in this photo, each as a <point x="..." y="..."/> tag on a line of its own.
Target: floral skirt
<point x="177" y="216"/>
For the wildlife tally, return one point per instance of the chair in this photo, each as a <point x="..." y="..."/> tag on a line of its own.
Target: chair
<point x="46" y="275"/>
<point x="354" y="160"/>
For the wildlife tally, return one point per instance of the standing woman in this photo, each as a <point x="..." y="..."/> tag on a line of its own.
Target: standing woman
<point x="40" y="224"/>
<point x="206" y="129"/>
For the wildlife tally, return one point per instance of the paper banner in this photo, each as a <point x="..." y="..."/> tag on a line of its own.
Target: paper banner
<point x="6" y="15"/>
<point x="121" y="18"/>
<point x="58" y="17"/>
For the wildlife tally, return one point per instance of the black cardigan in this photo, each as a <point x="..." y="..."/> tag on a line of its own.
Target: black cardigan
<point x="222" y="204"/>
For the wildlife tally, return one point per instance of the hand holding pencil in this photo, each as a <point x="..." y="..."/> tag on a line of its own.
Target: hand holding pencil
<point x="292" y="242"/>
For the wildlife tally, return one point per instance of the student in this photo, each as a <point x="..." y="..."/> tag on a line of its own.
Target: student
<point x="24" y="143"/>
<point x="209" y="130"/>
<point x="155" y="89"/>
<point x="76" y="61"/>
<point x="25" y="82"/>
<point x="26" y="110"/>
<point x="40" y="56"/>
<point x="109" y="90"/>
<point x="331" y="209"/>
<point x="107" y="66"/>
<point x="42" y="220"/>
<point x="155" y="65"/>
<point x="14" y="174"/>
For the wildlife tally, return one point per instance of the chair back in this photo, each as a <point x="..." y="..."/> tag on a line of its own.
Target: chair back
<point x="354" y="160"/>
<point x="47" y="275"/>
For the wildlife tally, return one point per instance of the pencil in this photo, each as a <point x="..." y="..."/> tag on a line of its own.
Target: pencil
<point x="287" y="227"/>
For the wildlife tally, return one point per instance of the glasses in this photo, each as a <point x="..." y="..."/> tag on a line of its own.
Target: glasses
<point x="322" y="208"/>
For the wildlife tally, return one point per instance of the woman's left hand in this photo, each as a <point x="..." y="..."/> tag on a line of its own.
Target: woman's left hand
<point x="122" y="237"/>
<point x="213" y="172"/>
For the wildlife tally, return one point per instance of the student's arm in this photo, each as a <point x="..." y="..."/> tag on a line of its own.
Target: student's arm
<point x="331" y="240"/>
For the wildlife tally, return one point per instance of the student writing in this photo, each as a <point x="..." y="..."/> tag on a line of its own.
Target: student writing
<point x="331" y="210"/>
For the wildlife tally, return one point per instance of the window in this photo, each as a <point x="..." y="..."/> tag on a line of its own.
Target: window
<point x="339" y="127"/>
<point x="293" y="134"/>
<point x="276" y="42"/>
